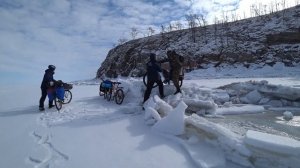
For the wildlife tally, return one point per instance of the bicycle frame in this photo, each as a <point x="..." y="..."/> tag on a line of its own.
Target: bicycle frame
<point x="115" y="87"/>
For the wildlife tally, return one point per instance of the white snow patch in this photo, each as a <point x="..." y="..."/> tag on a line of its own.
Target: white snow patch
<point x="287" y="115"/>
<point x="239" y="109"/>
<point x="229" y="142"/>
<point x="273" y="143"/>
<point x="173" y="123"/>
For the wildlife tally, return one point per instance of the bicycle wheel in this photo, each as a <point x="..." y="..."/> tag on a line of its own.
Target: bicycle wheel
<point x="67" y="97"/>
<point x="145" y="80"/>
<point x="58" y="103"/>
<point x="101" y="93"/>
<point x="105" y="93"/>
<point x="119" y="97"/>
<point x="109" y="95"/>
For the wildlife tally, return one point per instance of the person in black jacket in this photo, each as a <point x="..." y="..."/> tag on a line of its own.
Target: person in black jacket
<point x="153" y="76"/>
<point x="47" y="82"/>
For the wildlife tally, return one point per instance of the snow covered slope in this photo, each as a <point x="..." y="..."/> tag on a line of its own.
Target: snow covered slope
<point x="253" y="42"/>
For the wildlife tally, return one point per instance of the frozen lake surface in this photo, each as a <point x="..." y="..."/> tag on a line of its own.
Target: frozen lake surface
<point x="92" y="132"/>
<point x="268" y="122"/>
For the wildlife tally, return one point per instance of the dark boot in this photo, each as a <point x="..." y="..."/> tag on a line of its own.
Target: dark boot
<point x="41" y="108"/>
<point x="178" y="91"/>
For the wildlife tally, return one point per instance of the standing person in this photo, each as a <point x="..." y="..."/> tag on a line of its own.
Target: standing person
<point x="47" y="82"/>
<point x="153" y="76"/>
<point x="176" y="64"/>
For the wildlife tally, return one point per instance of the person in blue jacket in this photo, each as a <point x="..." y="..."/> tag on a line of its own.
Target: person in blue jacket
<point x="47" y="82"/>
<point x="153" y="76"/>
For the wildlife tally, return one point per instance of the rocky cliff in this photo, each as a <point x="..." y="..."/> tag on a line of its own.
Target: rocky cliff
<point x="262" y="40"/>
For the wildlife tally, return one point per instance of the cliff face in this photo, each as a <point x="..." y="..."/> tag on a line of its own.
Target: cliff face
<point x="261" y="40"/>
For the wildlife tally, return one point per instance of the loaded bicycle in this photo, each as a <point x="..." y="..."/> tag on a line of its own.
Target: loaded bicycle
<point x="112" y="91"/>
<point x="60" y="93"/>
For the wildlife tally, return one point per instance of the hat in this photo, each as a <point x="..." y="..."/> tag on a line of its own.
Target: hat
<point x="51" y="67"/>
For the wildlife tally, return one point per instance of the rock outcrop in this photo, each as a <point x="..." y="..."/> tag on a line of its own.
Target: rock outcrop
<point x="261" y="40"/>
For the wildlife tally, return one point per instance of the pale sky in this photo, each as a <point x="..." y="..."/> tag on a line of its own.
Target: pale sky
<point x="76" y="35"/>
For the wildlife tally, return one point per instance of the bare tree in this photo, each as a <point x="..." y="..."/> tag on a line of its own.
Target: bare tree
<point x="134" y="32"/>
<point x="151" y="31"/>
<point x="170" y="27"/>
<point x="215" y="29"/>
<point x="122" y="41"/>
<point x="162" y="31"/>
<point x="277" y="5"/>
<point x="204" y="23"/>
<point x="271" y="7"/>
<point x="225" y="17"/>
<point x="179" y="25"/>
<point x="234" y="16"/>
<point x="244" y="13"/>
<point x="198" y="19"/>
<point x="255" y="11"/>
<point x="225" y="27"/>
<point x="192" y="25"/>
<point x="283" y="7"/>
<point x="265" y="9"/>
<point x="283" y="3"/>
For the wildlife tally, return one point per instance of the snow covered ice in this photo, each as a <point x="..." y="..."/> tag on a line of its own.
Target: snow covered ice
<point x="215" y="122"/>
<point x="287" y="115"/>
